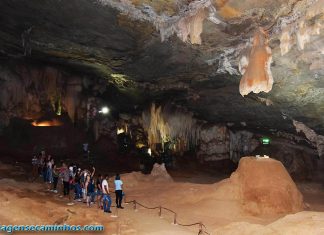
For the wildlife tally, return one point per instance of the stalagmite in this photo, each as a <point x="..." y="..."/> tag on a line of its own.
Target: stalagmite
<point x="257" y="75"/>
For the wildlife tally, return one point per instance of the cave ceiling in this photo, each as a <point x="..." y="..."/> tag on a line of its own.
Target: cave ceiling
<point x="186" y="52"/>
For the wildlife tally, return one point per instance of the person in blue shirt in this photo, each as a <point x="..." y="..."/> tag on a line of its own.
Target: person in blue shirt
<point x="119" y="191"/>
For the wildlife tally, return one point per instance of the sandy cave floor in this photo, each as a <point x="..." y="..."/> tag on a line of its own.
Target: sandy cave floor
<point x="23" y="202"/>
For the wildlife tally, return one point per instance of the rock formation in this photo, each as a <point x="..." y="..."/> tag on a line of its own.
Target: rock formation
<point x="316" y="140"/>
<point x="218" y="143"/>
<point x="266" y="187"/>
<point x="255" y="68"/>
<point x="160" y="173"/>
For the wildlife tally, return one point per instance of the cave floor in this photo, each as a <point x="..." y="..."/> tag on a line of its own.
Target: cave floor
<point x="25" y="202"/>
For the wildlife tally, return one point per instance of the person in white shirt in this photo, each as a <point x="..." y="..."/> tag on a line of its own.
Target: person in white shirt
<point x="119" y="191"/>
<point x="106" y="195"/>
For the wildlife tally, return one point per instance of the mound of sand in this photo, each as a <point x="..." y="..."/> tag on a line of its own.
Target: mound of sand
<point x="265" y="187"/>
<point x="306" y="222"/>
<point x="160" y="173"/>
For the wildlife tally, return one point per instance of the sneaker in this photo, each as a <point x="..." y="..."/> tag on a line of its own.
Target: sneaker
<point x="107" y="211"/>
<point x="121" y="207"/>
<point x="70" y="204"/>
<point x="79" y="200"/>
<point x="55" y="191"/>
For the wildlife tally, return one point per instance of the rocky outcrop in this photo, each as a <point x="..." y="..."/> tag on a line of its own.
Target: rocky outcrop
<point x="242" y="143"/>
<point x="214" y="144"/>
<point x="31" y="91"/>
<point x="219" y="143"/>
<point x="315" y="139"/>
<point x="187" y="25"/>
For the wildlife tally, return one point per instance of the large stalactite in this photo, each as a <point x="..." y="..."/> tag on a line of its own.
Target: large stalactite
<point x="255" y="68"/>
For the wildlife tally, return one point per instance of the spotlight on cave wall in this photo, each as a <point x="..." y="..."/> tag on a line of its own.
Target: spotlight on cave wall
<point x="104" y="110"/>
<point x="120" y="131"/>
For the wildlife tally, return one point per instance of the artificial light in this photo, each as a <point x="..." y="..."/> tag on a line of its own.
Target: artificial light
<point x="104" y="110"/>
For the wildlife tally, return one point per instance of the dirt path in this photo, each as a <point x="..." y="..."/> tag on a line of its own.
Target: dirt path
<point x="23" y="202"/>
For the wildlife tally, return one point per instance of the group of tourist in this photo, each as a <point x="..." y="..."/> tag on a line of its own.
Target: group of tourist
<point x="76" y="184"/>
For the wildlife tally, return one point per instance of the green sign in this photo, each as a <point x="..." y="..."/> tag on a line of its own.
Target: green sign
<point x="265" y="140"/>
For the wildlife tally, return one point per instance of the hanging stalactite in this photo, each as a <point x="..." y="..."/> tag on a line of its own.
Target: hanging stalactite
<point x="171" y="125"/>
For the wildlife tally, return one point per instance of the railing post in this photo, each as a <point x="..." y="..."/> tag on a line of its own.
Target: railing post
<point x="160" y="211"/>
<point x="200" y="229"/>
<point x="175" y="218"/>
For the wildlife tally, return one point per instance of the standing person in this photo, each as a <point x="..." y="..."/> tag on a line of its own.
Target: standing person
<point x="65" y="174"/>
<point x="106" y="195"/>
<point x="35" y="167"/>
<point x="60" y="180"/>
<point x="99" y="191"/>
<point x="56" y="174"/>
<point x="49" y="177"/>
<point x="44" y="168"/>
<point x="40" y="164"/>
<point x="71" y="191"/>
<point x="85" y="148"/>
<point x="119" y="191"/>
<point x="78" y="188"/>
<point x="89" y="187"/>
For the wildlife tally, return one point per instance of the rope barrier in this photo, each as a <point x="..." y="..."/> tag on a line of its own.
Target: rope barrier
<point x="202" y="227"/>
